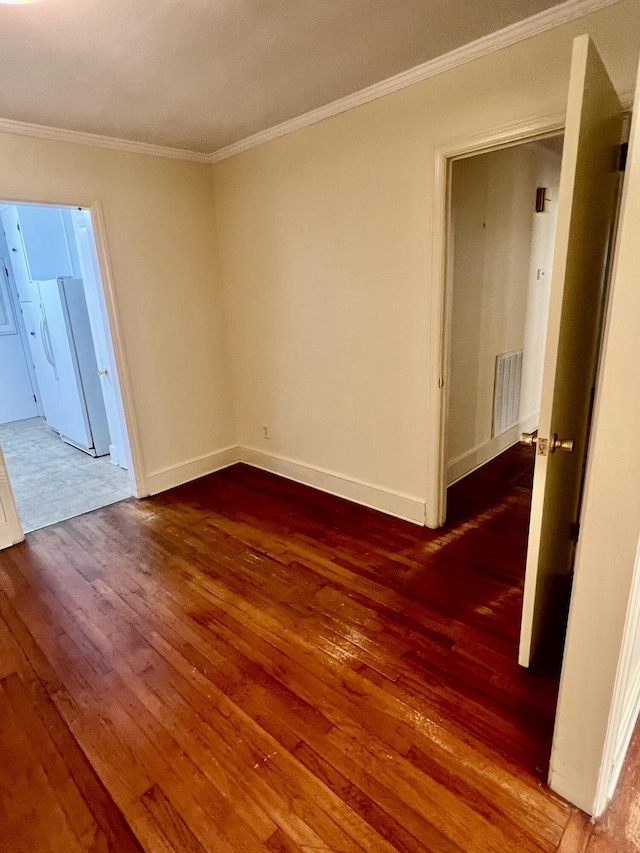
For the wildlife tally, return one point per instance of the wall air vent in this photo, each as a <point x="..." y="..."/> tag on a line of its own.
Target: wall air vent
<point x="506" y="391"/>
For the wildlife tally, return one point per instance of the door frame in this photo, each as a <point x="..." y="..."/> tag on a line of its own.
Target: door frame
<point x="440" y="296"/>
<point x="113" y="328"/>
<point x="11" y="530"/>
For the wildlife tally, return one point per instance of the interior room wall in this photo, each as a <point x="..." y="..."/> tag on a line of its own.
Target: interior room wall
<point x="502" y="251"/>
<point x="325" y="240"/>
<point x="158" y="217"/>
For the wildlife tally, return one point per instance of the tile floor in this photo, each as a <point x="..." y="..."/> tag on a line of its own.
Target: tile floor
<point x="51" y="480"/>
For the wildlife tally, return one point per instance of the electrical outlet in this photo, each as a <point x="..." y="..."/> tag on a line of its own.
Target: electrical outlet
<point x="265" y="431"/>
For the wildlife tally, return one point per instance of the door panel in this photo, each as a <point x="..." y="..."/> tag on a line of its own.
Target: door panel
<point x="586" y="210"/>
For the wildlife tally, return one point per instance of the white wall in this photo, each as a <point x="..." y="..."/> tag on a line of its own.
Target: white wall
<point x="325" y="240"/>
<point x="498" y="305"/>
<point x="600" y="687"/>
<point x="159" y="221"/>
<point x="16" y="390"/>
<point x="45" y="241"/>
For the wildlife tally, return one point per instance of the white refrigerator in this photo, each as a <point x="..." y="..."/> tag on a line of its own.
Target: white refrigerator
<point x="65" y="363"/>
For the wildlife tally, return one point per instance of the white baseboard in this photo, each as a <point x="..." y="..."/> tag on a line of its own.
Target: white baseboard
<point x="177" y="475"/>
<point x="467" y="462"/>
<point x="390" y="502"/>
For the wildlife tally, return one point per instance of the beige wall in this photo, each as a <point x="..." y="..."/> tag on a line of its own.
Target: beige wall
<point x="326" y="248"/>
<point x="159" y="222"/>
<point x="498" y="305"/>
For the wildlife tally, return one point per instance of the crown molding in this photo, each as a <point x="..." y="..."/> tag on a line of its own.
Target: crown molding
<point x="514" y="33"/>
<point x="59" y="134"/>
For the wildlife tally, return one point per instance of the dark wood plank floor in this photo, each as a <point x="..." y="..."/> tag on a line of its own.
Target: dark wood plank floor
<point x="245" y="664"/>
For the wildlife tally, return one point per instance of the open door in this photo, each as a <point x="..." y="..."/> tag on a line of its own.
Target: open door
<point x="10" y="527"/>
<point x="586" y="213"/>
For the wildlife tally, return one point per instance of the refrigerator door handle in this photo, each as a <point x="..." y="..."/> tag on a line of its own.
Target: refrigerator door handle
<point x="46" y="341"/>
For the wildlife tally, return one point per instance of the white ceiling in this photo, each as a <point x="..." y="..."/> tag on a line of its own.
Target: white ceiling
<point x="201" y="74"/>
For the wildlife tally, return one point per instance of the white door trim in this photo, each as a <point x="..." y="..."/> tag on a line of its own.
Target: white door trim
<point x="440" y="296"/>
<point x="123" y="384"/>
<point x="11" y="531"/>
<point x="137" y="476"/>
<point x="625" y="703"/>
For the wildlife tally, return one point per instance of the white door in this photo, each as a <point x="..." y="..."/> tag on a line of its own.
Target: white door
<point x="586" y="210"/>
<point x="17" y="400"/>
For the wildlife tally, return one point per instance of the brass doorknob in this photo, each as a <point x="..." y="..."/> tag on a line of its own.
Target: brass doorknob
<point x="529" y="439"/>
<point x="565" y="444"/>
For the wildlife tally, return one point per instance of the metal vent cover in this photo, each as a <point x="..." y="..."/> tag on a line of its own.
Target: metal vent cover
<point x="506" y="391"/>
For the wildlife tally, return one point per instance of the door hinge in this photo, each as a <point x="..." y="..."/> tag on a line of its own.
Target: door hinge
<point x="622" y="156"/>
<point x="575" y="531"/>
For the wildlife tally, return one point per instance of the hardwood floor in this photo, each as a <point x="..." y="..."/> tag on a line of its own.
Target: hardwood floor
<point x="245" y="664"/>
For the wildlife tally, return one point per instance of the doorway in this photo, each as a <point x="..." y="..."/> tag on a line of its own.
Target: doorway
<point x="588" y="199"/>
<point x="500" y="241"/>
<point x="62" y="427"/>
